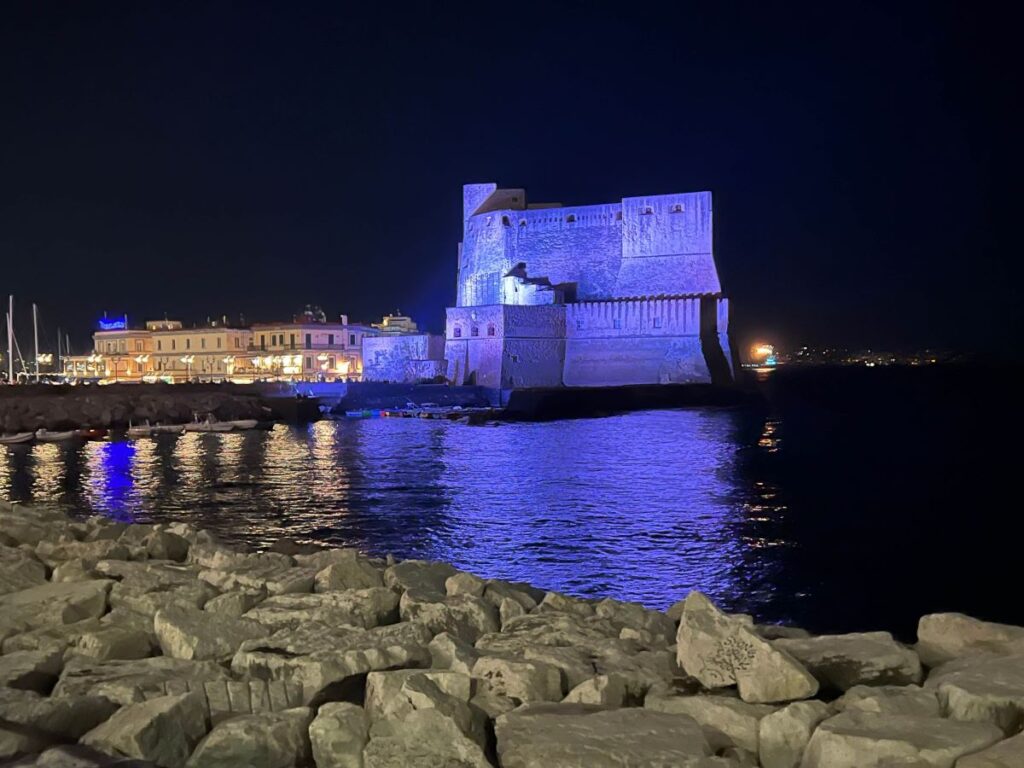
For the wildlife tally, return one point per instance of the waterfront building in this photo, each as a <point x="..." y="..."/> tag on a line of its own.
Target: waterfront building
<point x="308" y="349"/>
<point x="396" y="324"/>
<point x="597" y="295"/>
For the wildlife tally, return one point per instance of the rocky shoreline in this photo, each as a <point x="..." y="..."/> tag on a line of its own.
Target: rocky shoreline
<point x="142" y="645"/>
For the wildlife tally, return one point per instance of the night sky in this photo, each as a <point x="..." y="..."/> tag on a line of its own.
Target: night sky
<point x="201" y="159"/>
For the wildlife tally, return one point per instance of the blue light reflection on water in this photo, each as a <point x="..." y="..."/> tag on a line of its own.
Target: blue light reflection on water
<point x="642" y="506"/>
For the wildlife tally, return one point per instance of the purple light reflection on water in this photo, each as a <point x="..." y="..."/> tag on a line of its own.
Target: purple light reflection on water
<point x="641" y="506"/>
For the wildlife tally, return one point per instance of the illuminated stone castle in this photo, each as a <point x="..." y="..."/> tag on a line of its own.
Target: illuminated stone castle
<point x="597" y="295"/>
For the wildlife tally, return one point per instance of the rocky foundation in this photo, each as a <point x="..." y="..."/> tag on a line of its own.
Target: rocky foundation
<point x="149" y="645"/>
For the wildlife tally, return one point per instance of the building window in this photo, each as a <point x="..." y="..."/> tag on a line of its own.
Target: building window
<point x="174" y="344"/>
<point x="458" y="332"/>
<point x="331" y="362"/>
<point x="522" y="222"/>
<point x="263" y="341"/>
<point x="657" y="322"/>
<point x="678" y="208"/>
<point x="515" y="358"/>
<point x="352" y="339"/>
<point x="218" y="342"/>
<point x="238" y="342"/>
<point x="202" y="343"/>
<point x="159" y="345"/>
<point x="138" y="345"/>
<point x="309" y="362"/>
<point x="571" y="218"/>
<point x="475" y="331"/>
<point x="330" y="339"/>
<point x="617" y="323"/>
<point x="646" y="210"/>
<point x="505" y="222"/>
<point x="188" y="343"/>
<point x="579" y="325"/>
<point x="618" y="215"/>
<point x="291" y="340"/>
<point x="490" y="330"/>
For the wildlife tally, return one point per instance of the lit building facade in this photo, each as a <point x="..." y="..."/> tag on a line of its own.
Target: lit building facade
<point x="598" y="295"/>
<point x="310" y="350"/>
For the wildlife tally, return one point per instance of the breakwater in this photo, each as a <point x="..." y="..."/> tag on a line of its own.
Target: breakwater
<point x="31" y="407"/>
<point x="161" y="644"/>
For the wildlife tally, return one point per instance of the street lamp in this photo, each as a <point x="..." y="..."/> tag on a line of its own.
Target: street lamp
<point x="188" y="360"/>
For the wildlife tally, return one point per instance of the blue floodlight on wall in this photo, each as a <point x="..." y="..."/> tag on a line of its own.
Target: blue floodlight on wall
<point x="118" y="324"/>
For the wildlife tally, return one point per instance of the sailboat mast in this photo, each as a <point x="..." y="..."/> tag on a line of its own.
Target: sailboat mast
<point x="10" y="339"/>
<point x="35" y="337"/>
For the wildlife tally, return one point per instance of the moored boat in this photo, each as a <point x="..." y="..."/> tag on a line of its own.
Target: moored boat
<point x="17" y="437"/>
<point x="208" y="425"/>
<point x="93" y="433"/>
<point x="141" y="430"/>
<point x="171" y="429"/>
<point x="46" y="436"/>
<point x="244" y="424"/>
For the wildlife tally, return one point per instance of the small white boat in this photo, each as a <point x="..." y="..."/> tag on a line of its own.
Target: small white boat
<point x="208" y="426"/>
<point x="170" y="429"/>
<point x="140" y="431"/>
<point x="46" y="436"/>
<point x="244" y="424"/>
<point x="17" y="437"/>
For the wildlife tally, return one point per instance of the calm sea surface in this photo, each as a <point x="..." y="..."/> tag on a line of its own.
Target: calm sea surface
<point x="852" y="499"/>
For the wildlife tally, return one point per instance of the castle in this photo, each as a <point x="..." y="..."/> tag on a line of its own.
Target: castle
<point x="596" y="295"/>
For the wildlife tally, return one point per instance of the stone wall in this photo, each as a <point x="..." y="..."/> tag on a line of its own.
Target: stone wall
<point x="403" y="358"/>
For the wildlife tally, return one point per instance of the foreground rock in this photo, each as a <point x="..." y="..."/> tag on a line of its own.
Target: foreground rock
<point x="163" y="730"/>
<point x="856" y="739"/>
<point x="840" y="662"/>
<point x="721" y="651"/>
<point x="277" y="740"/>
<point x="563" y="735"/>
<point x="988" y="689"/>
<point x="942" y="637"/>
<point x="189" y="633"/>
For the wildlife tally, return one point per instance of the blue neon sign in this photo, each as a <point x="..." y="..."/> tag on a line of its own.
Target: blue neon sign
<point x="119" y="324"/>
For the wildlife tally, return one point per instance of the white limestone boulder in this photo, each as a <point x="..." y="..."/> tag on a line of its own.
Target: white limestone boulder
<point x="450" y="652"/>
<point x="840" y="662"/>
<point x="19" y="570"/>
<point x="635" y="616"/>
<point x="66" y="718"/>
<point x="348" y="570"/>
<point x="189" y="633"/>
<point x="114" y="642"/>
<point x="890" y="700"/>
<point x="129" y="682"/>
<point x="275" y="579"/>
<point x="509" y="609"/>
<point x="55" y="553"/>
<point x="163" y="730"/>
<point x="575" y="735"/>
<point x="856" y="739"/>
<point x="424" y="739"/>
<point x="465" y="584"/>
<point x="230" y="698"/>
<point x="424" y="575"/>
<point x="727" y="721"/>
<point x="496" y="591"/>
<point x="521" y="681"/>
<point x="945" y="636"/>
<point x="271" y="740"/>
<point x="782" y="736"/>
<point x="559" y="603"/>
<point x="607" y="690"/>
<point x="235" y="603"/>
<point x="464" y="616"/>
<point x="338" y="735"/>
<point x="1004" y="754"/>
<point x="721" y="651"/>
<point x="50" y="605"/>
<point x="982" y="688"/>
<point x="365" y="608"/>
<point x="396" y="695"/>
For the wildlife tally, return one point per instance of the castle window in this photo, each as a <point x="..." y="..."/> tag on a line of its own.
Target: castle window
<point x="617" y="323"/>
<point x="505" y="222"/>
<point x="571" y="218"/>
<point x="657" y="322"/>
<point x="515" y="358"/>
<point x="458" y="332"/>
<point x="646" y="210"/>
<point x="618" y="215"/>
<point x="678" y="208"/>
<point x="579" y="325"/>
<point x="475" y="331"/>
<point x="522" y="222"/>
<point x="490" y="330"/>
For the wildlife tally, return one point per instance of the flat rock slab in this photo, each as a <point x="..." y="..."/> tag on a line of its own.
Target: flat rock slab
<point x="163" y="730"/>
<point x="129" y="682"/>
<point x="1005" y="754"/>
<point x="189" y="633"/>
<point x="418" y="574"/>
<point x="273" y="740"/>
<point x="856" y="739"/>
<point x="423" y="739"/>
<point x="53" y="604"/>
<point x="727" y="722"/>
<point x="564" y="735"/>
<point x="366" y="608"/>
<point x="720" y="651"/>
<point x="64" y="718"/>
<point x="840" y="662"/>
<point x="982" y="689"/>
<point x="945" y="636"/>
<point x="31" y="670"/>
<point x="890" y="700"/>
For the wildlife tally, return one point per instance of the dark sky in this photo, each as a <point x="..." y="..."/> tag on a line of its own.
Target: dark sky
<point x="197" y="159"/>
